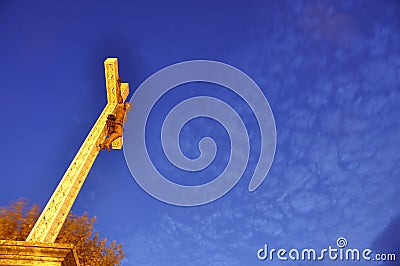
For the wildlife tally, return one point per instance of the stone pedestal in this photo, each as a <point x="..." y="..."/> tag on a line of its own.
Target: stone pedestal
<point x="33" y="253"/>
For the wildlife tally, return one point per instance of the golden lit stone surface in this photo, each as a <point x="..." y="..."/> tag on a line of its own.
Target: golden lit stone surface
<point x="54" y="214"/>
<point x="33" y="253"/>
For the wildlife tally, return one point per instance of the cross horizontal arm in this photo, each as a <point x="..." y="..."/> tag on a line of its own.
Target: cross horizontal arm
<point x="111" y="73"/>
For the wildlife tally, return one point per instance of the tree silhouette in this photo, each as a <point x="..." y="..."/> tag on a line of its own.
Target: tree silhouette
<point x="18" y="219"/>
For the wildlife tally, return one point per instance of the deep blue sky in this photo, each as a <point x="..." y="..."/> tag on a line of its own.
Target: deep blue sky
<point x="329" y="69"/>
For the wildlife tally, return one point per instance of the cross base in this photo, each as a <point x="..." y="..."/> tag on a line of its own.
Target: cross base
<point x="24" y="253"/>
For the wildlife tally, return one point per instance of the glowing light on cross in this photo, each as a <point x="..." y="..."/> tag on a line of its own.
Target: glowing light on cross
<point x="54" y="214"/>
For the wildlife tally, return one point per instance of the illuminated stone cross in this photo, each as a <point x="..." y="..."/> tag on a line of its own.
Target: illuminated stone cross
<point x="54" y="214"/>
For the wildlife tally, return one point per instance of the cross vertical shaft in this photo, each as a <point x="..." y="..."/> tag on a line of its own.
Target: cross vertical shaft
<point x="54" y="214"/>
